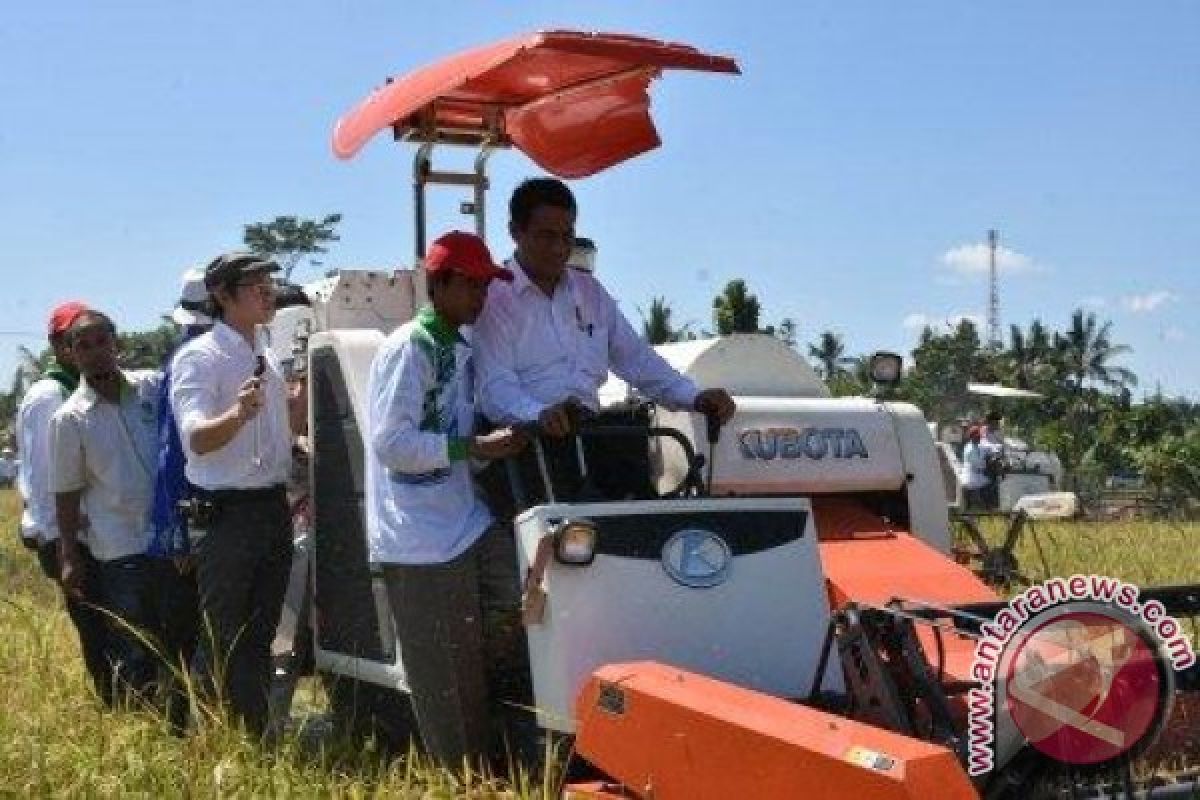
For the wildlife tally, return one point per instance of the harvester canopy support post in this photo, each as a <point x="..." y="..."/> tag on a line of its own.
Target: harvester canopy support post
<point x="424" y="175"/>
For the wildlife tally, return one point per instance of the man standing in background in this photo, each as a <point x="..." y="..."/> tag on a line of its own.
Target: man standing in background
<point x="8" y="468"/>
<point x="171" y="562"/>
<point x="39" y="528"/>
<point x="103" y="440"/>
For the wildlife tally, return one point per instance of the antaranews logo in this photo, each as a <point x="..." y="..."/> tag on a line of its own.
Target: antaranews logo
<point x="1080" y="668"/>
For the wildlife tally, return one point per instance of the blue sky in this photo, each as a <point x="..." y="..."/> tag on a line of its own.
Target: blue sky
<point x="849" y="174"/>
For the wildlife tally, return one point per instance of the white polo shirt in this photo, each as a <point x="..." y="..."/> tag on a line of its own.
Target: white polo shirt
<point x="34" y="479"/>
<point x="108" y="451"/>
<point x="534" y="351"/>
<point x="206" y="374"/>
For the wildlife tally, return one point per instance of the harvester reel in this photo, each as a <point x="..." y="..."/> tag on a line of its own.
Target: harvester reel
<point x="997" y="565"/>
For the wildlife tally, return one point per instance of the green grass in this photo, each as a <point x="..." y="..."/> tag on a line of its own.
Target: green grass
<point x="55" y="740"/>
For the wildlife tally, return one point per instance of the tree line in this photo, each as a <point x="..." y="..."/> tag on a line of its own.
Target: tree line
<point x="1086" y="413"/>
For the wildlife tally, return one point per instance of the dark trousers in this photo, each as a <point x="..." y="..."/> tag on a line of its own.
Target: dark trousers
<point x="89" y="622"/>
<point x="463" y="645"/>
<point x="177" y="627"/>
<point x="242" y="565"/>
<point x="990" y="494"/>
<point x="975" y="499"/>
<point x="127" y="601"/>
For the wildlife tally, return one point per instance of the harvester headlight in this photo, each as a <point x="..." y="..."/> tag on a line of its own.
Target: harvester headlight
<point x="575" y="542"/>
<point x="886" y="368"/>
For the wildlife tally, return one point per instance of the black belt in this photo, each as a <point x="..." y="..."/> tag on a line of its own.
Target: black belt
<point x="236" y="496"/>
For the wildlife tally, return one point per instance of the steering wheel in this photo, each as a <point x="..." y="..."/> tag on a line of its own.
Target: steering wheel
<point x="695" y="462"/>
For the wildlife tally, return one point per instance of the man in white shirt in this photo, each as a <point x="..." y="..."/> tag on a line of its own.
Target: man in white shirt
<point x="451" y="573"/>
<point x="553" y="334"/>
<point x="995" y="452"/>
<point x="8" y="468"/>
<point x="39" y="526"/>
<point x="974" y="477"/>
<point x="549" y="338"/>
<point x="104" y="443"/>
<point x="235" y="420"/>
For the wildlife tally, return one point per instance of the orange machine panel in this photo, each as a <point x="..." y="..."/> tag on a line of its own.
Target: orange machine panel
<point x="666" y="733"/>
<point x="868" y="561"/>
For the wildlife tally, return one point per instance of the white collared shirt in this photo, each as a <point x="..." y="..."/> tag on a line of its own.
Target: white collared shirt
<point x="107" y="451"/>
<point x="206" y="375"/>
<point x="974" y="466"/>
<point x="534" y="351"/>
<point x="422" y="506"/>
<point x="35" y="478"/>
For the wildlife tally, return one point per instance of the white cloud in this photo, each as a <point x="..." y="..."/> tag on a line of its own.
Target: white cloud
<point x="918" y="321"/>
<point x="1150" y="301"/>
<point x="973" y="259"/>
<point x="1094" y="301"/>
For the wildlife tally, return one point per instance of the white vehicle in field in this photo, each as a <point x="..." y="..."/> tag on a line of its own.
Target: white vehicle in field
<point x="698" y="604"/>
<point x="1025" y="472"/>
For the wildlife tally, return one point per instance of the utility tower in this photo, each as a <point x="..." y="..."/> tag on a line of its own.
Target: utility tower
<point x="993" y="312"/>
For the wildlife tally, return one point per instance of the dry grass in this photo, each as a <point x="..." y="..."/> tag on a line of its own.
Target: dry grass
<point x="55" y="740"/>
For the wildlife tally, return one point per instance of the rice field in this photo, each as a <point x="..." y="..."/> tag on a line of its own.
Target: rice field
<point x="55" y="741"/>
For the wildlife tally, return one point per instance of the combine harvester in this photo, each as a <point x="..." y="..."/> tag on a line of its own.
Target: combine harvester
<point x="767" y="611"/>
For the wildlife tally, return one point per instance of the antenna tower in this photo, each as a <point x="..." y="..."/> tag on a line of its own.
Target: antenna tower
<point x="993" y="312"/>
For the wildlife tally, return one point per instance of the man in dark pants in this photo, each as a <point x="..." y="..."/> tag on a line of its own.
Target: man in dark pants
<point x="236" y="416"/>
<point x="177" y="598"/>
<point x="451" y="573"/>
<point x="103" y="440"/>
<point x="39" y="526"/>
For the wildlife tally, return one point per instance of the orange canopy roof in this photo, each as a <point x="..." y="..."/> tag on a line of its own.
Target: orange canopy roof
<point x="576" y="103"/>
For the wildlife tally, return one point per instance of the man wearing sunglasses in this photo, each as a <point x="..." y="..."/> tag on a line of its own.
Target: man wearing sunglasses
<point x="235" y="417"/>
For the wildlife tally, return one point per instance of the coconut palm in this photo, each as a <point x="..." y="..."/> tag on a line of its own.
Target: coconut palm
<point x="1030" y="360"/>
<point x="1086" y="349"/>
<point x="829" y="351"/>
<point x="656" y="323"/>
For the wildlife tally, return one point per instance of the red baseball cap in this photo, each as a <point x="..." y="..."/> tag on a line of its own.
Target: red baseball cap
<point x="466" y="254"/>
<point x="63" y="316"/>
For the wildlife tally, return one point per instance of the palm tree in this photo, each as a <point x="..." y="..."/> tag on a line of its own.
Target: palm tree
<point x="656" y="325"/>
<point x="1087" y="348"/>
<point x="1030" y="360"/>
<point x="829" y="351"/>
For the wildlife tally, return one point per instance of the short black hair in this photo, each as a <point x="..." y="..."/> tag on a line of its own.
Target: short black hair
<point x="87" y="319"/>
<point x="993" y="416"/>
<point x="534" y="192"/>
<point x="226" y="271"/>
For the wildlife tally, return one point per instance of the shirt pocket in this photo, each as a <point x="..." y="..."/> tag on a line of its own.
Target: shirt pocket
<point x="592" y="343"/>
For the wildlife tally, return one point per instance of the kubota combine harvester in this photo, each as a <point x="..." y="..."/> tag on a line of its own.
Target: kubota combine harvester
<point x="765" y="611"/>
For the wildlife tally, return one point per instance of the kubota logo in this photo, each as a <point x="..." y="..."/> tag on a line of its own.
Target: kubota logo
<point x="767" y="444"/>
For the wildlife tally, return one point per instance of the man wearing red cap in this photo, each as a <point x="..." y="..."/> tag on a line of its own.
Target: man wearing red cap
<point x="39" y="527"/>
<point x="450" y="570"/>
